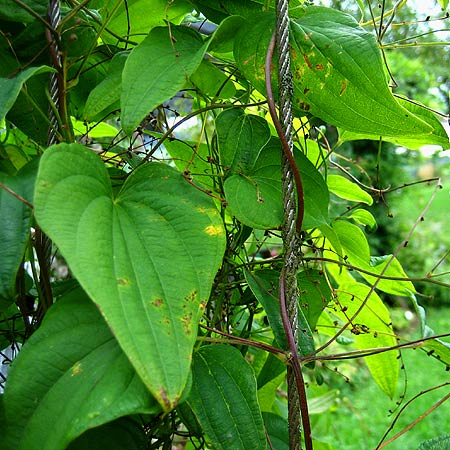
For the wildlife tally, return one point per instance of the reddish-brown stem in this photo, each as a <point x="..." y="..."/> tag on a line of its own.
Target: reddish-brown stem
<point x="284" y="143"/>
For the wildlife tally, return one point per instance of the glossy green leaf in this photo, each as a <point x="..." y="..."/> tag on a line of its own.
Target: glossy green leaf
<point x="71" y="376"/>
<point x="339" y="75"/>
<point x="348" y="190"/>
<point x="370" y="329"/>
<point x="277" y="428"/>
<point x="241" y="138"/>
<point x="124" y="433"/>
<point x="10" y="87"/>
<point x="224" y="401"/>
<point x="156" y="70"/>
<point x="135" y="18"/>
<point x="15" y="222"/>
<point x="211" y="81"/>
<point x="107" y="93"/>
<point x="437" y="443"/>
<point x="14" y="12"/>
<point x="265" y="286"/>
<point x="356" y="250"/>
<point x="314" y="294"/>
<point x="438" y="135"/>
<point x="364" y="217"/>
<point x="126" y="250"/>
<point x="253" y="188"/>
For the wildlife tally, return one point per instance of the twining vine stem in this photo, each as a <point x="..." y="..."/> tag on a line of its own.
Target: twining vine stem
<point x="284" y="144"/>
<point x="294" y="357"/>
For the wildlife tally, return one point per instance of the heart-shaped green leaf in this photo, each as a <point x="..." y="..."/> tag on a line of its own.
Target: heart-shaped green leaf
<point x="71" y="376"/>
<point x="146" y="256"/>
<point x="254" y="196"/>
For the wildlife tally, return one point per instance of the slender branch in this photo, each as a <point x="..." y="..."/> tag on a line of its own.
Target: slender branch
<point x="295" y="364"/>
<point x="15" y="194"/>
<point x="415" y="422"/>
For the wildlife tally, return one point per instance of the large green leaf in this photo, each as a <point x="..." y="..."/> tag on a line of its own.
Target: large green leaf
<point x="224" y="400"/>
<point x="10" y="87"/>
<point x="339" y="75"/>
<point x="146" y="256"/>
<point x="71" y="376"/>
<point x="253" y="185"/>
<point x="15" y="222"/>
<point x="437" y="443"/>
<point x="438" y="136"/>
<point x="157" y="69"/>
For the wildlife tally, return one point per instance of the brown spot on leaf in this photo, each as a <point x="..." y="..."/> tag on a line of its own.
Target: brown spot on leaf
<point x="307" y="61"/>
<point x="343" y="87"/>
<point x="306" y="90"/>
<point x="319" y="66"/>
<point x="304" y="106"/>
<point x="157" y="302"/>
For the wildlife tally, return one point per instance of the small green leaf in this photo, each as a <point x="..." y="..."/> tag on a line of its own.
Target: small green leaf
<point x="348" y="190"/>
<point x="126" y="250"/>
<point x="357" y="253"/>
<point x="107" y="93"/>
<point x="10" y="87"/>
<point x="224" y="399"/>
<point x="157" y="69"/>
<point x="15" y="222"/>
<point x="364" y="217"/>
<point x="277" y="428"/>
<point x="70" y="376"/>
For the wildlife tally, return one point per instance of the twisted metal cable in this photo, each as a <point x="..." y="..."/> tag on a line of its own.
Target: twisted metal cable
<point x="54" y="18"/>
<point x="290" y="236"/>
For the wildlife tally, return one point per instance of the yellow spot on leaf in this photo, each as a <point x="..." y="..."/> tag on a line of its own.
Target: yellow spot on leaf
<point x="76" y="369"/>
<point x="214" y="230"/>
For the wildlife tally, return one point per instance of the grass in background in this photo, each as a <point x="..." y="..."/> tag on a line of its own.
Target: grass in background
<point x="363" y="413"/>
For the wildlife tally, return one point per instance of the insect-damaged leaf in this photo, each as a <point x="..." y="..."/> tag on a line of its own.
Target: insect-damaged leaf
<point x="71" y="376"/>
<point x="338" y="74"/>
<point x="147" y="256"/>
